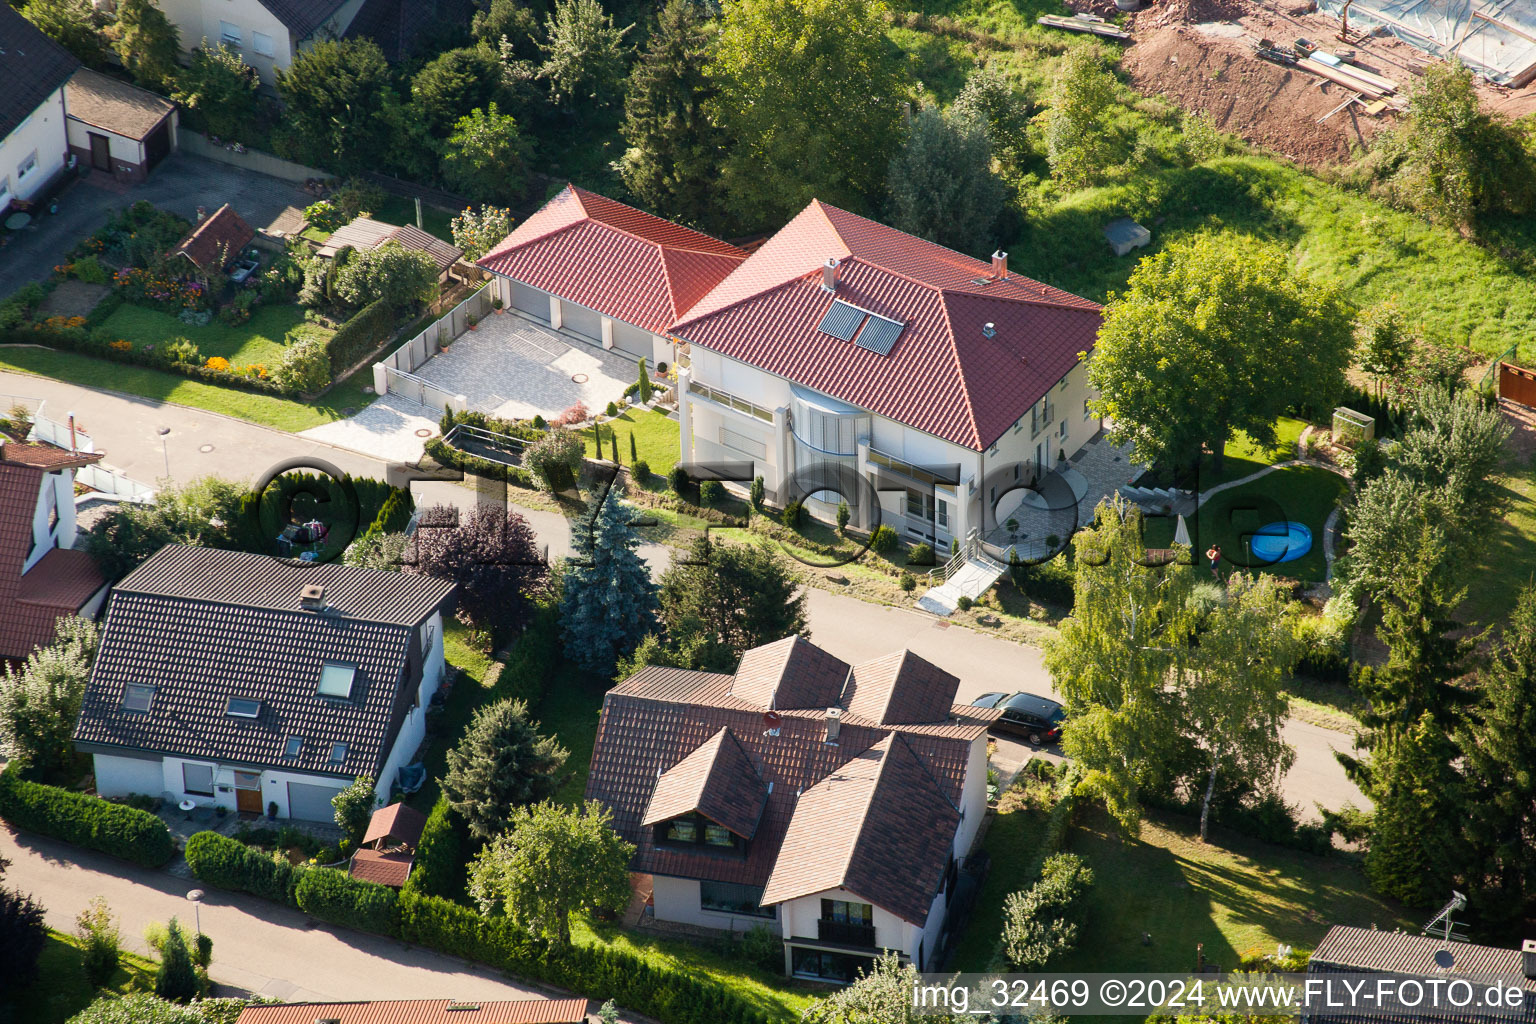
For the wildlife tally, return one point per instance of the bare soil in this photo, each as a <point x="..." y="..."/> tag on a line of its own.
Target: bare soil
<point x="1199" y="53"/>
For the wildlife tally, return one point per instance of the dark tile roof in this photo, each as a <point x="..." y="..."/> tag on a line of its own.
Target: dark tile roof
<point x="659" y="716"/>
<point x="120" y="107"/>
<point x="216" y="242"/>
<point x="367" y="233"/>
<point x="424" y="1011"/>
<point x="789" y="673"/>
<point x="400" y="822"/>
<point x="880" y="827"/>
<point x="397" y="26"/>
<point x="257" y="581"/>
<point x="899" y="688"/>
<point x="60" y="582"/>
<point x="718" y="781"/>
<point x="1346" y="948"/>
<point x="385" y="867"/>
<point x="32" y="67"/>
<point x="302" y="17"/>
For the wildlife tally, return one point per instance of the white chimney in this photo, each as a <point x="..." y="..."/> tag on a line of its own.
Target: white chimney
<point x="829" y="276"/>
<point x="989" y="329"/>
<point x="999" y="264"/>
<point x="834" y="724"/>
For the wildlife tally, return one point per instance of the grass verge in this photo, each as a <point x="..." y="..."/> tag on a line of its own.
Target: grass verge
<point x="62" y="989"/>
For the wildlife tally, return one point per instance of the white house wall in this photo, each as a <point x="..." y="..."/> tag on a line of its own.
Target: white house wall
<point x="59" y="487"/>
<point x="120" y="775"/>
<point x="120" y="148"/>
<point x="414" y="729"/>
<point x="677" y="899"/>
<point x="43" y="133"/>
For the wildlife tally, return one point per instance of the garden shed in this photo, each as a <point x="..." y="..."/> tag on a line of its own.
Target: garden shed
<point x="117" y="127"/>
<point x="215" y="241"/>
<point x="367" y="233"/>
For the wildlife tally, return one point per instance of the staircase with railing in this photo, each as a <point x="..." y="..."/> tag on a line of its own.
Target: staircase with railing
<point x="969" y="573"/>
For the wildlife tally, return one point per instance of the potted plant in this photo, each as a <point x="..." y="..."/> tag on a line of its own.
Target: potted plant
<point x="1013" y="528"/>
<point x="272" y="811"/>
<point x="472" y="321"/>
<point x="496" y="303"/>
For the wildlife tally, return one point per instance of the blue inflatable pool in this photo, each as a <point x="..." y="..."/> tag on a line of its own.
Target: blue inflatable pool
<point x="1280" y="542"/>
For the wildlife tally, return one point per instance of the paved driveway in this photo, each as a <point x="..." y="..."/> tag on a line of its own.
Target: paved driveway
<point x="181" y="184"/>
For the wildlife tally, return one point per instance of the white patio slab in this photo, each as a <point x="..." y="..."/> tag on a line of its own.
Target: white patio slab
<point x="385" y="429"/>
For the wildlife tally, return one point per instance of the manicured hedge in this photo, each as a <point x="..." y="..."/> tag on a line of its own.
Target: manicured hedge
<point x="85" y="820"/>
<point x="532" y="659"/>
<point x="439" y="866"/>
<point x="339" y="898"/>
<point x="446" y="455"/>
<point x="366" y="331"/>
<point x="221" y="861"/>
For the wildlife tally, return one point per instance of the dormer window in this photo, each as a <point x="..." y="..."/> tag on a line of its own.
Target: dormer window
<point x="338" y="753"/>
<point x="138" y="697"/>
<point x="240" y="707"/>
<point x="697" y="831"/>
<point x="336" y="679"/>
<point x="294" y="747"/>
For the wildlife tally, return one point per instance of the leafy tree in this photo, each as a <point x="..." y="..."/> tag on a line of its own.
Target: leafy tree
<point x="99" y="940"/>
<point x="73" y="24"/>
<point x="555" y="459"/>
<point x="1498" y="751"/>
<point x="584" y="53"/>
<point x="810" y="97"/>
<point x="941" y="182"/>
<point x="1078" y="142"/>
<point x="354" y="807"/>
<point x="883" y="995"/>
<point x="486" y="157"/>
<point x="1453" y="440"/>
<point x="501" y="764"/>
<point x="991" y="101"/>
<point x="40" y="701"/>
<point x="1414" y="841"/>
<point x="1384" y="341"/>
<point x="1038" y="925"/>
<point x="147" y="43"/>
<point x="1233" y="683"/>
<point x="377" y="551"/>
<point x="736" y="596"/>
<point x="1214" y="335"/>
<point x="23" y="932"/>
<point x="144" y="1008"/>
<point x="477" y="232"/>
<point x="1130" y="624"/>
<point x="675" y="149"/>
<point x="504" y="19"/>
<point x="391" y="272"/>
<point x="609" y="600"/>
<point x="552" y="862"/>
<point x="454" y="83"/>
<point x="177" y="977"/>
<point x="336" y="95"/>
<point x="1454" y="161"/>
<point x="204" y="513"/>
<point x="491" y="554"/>
<point x="220" y="88"/>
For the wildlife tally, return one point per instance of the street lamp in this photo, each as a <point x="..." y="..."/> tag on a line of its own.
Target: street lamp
<point x="165" y="451"/>
<point x="196" y="896"/>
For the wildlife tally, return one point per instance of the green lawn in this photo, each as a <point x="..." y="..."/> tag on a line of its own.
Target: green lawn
<point x="1011" y="841"/>
<point x="1244" y="455"/>
<point x="258" y="340"/>
<point x="469" y="694"/>
<point x="268" y="410"/>
<point x="569" y="712"/>
<point x="62" y="989"/>
<point x="656" y="438"/>
<point x="1510" y="560"/>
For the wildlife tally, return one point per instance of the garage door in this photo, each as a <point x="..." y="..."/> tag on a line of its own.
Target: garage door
<point x="530" y="300"/>
<point x="586" y="322"/>
<point x="311" y="803"/>
<point x="158" y="146"/>
<point x="632" y="340"/>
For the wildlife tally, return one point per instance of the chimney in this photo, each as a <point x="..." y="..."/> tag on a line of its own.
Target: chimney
<point x="989" y="330"/>
<point x="202" y="214"/>
<point x="999" y="264"/>
<point x="312" y="597"/>
<point x="829" y="276"/>
<point x="1528" y="958"/>
<point x="834" y="724"/>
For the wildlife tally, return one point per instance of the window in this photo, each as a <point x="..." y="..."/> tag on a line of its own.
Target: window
<point x="845" y="912"/>
<point x="683" y="830"/>
<point x="698" y="831"/>
<point x="230" y="34"/>
<point x="429" y="639"/>
<point x="839" y="967"/>
<point x="336" y="679"/>
<point x="261" y="43"/>
<point x="338" y="753"/>
<point x="27" y="166"/>
<point x="728" y="898"/>
<point x="715" y="835"/>
<point x="197" y="778"/>
<point x="240" y="707"/>
<point x="294" y="746"/>
<point x="138" y="697"/>
<point x="1063" y="429"/>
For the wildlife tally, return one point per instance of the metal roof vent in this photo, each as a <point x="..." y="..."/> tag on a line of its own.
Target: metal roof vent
<point x="989" y="330"/>
<point x="829" y="276"/>
<point x="312" y="597"/>
<point x="999" y="264"/>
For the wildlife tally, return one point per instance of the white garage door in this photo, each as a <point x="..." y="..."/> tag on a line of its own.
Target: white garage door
<point x="586" y="322"/>
<point x="632" y="340"/>
<point x="311" y="803"/>
<point x="530" y="300"/>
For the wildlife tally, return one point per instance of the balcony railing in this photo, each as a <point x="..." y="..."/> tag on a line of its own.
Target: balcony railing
<point x="845" y="932"/>
<point x="730" y="401"/>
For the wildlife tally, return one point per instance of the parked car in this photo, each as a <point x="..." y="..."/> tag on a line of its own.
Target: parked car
<point x="1037" y="719"/>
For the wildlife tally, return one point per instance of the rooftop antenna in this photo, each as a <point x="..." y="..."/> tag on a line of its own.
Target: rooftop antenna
<point x="1442" y="920"/>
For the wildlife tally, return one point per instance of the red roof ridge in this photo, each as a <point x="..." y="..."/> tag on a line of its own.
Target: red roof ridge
<point x="551" y="233"/>
<point x="581" y="194"/>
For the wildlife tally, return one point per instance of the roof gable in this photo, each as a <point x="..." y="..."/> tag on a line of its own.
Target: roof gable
<point x="32" y="68"/>
<point x="718" y="781"/>
<point x="398" y="821"/>
<point x="900" y="688"/>
<point x="302" y="17"/>
<point x="217" y="241"/>
<point x="62" y="580"/>
<point x="789" y="673"/>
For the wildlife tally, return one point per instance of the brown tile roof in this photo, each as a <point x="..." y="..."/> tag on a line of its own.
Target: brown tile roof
<point x="57" y="585"/>
<point x="659" y="716"/>
<point x="899" y="688"/>
<point x="789" y="673"/>
<point x="32" y="68"/>
<point x="119" y="107"/>
<point x="45" y="456"/>
<point x="62" y="579"/>
<point x="1347" y="948"/>
<point x="367" y="233"/>
<point x="880" y="826"/>
<point x="423" y="1011"/>
<point x="217" y="241"/>
<point x="718" y="781"/>
<point x="400" y="822"/>
<point x="386" y="867"/>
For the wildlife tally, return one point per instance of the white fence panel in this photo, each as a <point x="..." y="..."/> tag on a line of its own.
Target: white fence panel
<point x="111" y="482"/>
<point x="396" y="373"/>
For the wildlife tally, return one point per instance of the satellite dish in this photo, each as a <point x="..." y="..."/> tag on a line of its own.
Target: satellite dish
<point x="772" y="719"/>
<point x="1444" y="960"/>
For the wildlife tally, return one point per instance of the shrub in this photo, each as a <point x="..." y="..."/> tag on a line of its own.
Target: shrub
<point x="359" y="336"/>
<point x="793" y="513"/>
<point x="640" y="471"/>
<point x="305" y="368"/>
<point x="539" y="422"/>
<point x="710" y="492"/>
<point x="324" y="216"/>
<point x="883" y="540"/>
<point x="554" y="459"/>
<point x="964" y="603"/>
<point x="99" y="940"/>
<point x="920" y="554"/>
<point x="85" y="820"/>
<point x="574" y="415"/>
<point x="1039" y="923"/>
<point x="634" y="453"/>
<point x="643" y="384"/>
<point x="22" y="936"/>
<point x="757" y="492"/>
<point x="908" y="582"/>
<point x="612" y="410"/>
<point x="439" y="866"/>
<point x="354" y="807"/>
<point x="223" y="862"/>
<point x="678" y="480"/>
<point x="340" y="899"/>
<point x="532" y="659"/>
<point x="843" y="516"/>
<point x="182" y="350"/>
<point x="90" y="270"/>
<point x="761" y="948"/>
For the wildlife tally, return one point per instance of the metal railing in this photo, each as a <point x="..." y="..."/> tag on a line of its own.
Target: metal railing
<point x="113" y="483"/>
<point x="969" y="550"/>
<point x="845" y="932"/>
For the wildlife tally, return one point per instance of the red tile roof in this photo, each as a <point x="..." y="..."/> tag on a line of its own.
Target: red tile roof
<point x="400" y="822"/>
<point x="790" y="673"/>
<point x="60" y="582"/>
<point x="944" y="376"/>
<point x="622" y="262"/>
<point x="45" y="456"/>
<point x="423" y="1011"/>
<point x="386" y="867"/>
<point x="900" y="688"/>
<point x="217" y="241"/>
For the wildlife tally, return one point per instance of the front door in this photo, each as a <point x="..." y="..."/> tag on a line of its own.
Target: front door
<point x="101" y="152"/>
<point x="248" y="792"/>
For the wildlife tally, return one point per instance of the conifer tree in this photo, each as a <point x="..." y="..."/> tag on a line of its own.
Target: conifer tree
<point x="176" y="979"/>
<point x="1414" y="841"/>
<point x="610" y="601"/>
<point x="502" y="763"/>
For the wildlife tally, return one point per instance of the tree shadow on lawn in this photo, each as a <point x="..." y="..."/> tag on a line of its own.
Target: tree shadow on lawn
<point x="1509" y="557"/>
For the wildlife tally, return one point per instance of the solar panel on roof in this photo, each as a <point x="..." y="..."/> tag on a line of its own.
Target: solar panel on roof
<point x="842" y="320"/>
<point x="879" y="335"/>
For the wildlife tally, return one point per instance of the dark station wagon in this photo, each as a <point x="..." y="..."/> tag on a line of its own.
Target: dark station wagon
<point x="1037" y="719"/>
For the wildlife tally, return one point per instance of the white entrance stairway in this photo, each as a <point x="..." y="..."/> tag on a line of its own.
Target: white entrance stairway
<point x="970" y="573"/>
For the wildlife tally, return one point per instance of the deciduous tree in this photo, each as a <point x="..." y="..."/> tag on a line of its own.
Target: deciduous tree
<point x="882" y="994"/>
<point x="147" y="43"/>
<point x="991" y="100"/>
<point x="1384" y="341"/>
<point x="477" y="232"/>
<point x="737" y="596"/>
<point x="391" y="272"/>
<point x="40" y="702"/>
<point x="609" y="600"/>
<point x="1078" y="142"/>
<point x="553" y="862"/>
<point x="354" y="807"/>
<point x="1211" y="336"/>
<point x="73" y="24"/>
<point x="486" y="156"/>
<point x="501" y="764"/>
<point x="941" y="183"/>
<point x="584" y="54"/>
<point x="205" y="513"/>
<point x="492" y="554"/>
